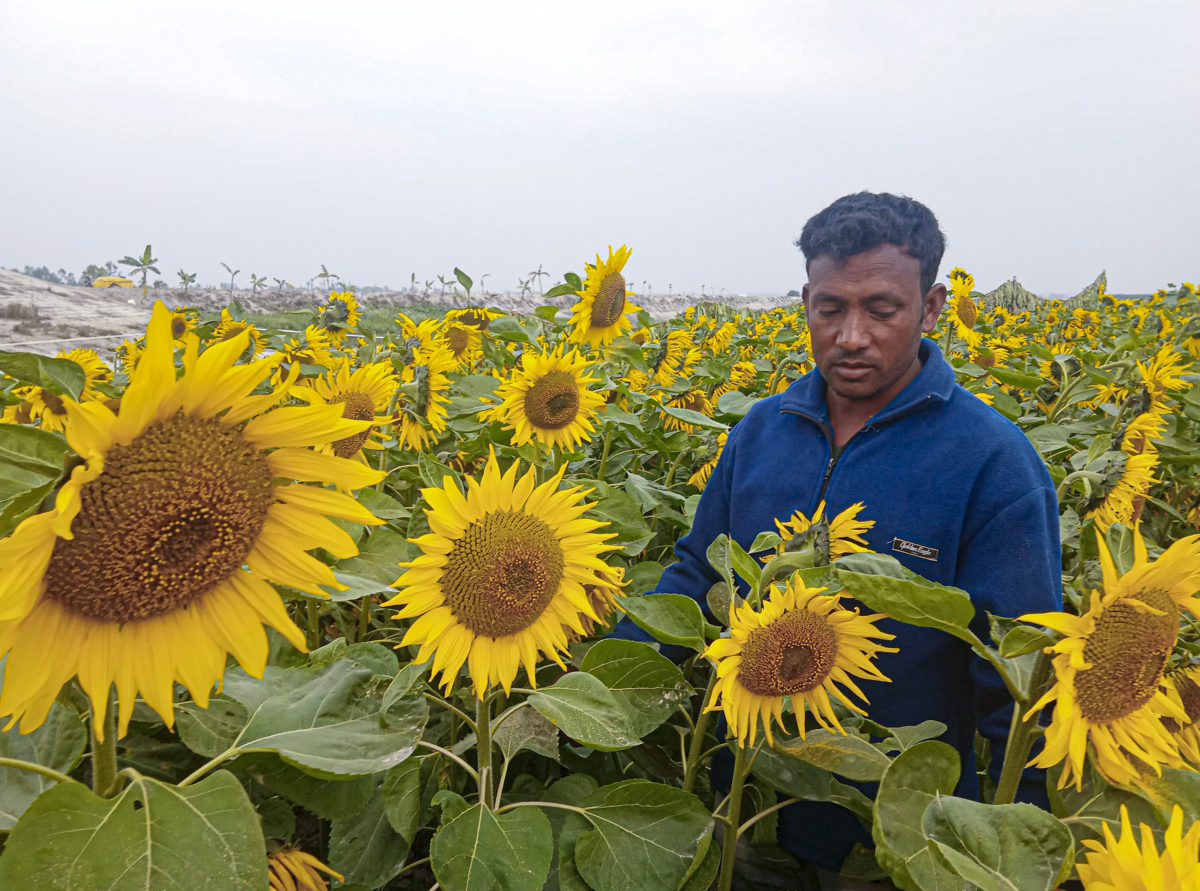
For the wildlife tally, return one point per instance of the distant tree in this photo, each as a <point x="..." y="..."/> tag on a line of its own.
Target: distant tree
<point x="537" y="275"/>
<point x="792" y="293"/>
<point x="143" y="264"/>
<point x="186" y="278"/>
<point x="110" y="268"/>
<point x="325" y="275"/>
<point x="482" y="285"/>
<point x="526" y="287"/>
<point x="91" y="273"/>
<point x="232" y="275"/>
<point x="257" y="282"/>
<point x="279" y="283"/>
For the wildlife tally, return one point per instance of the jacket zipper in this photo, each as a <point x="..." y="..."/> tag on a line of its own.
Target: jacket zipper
<point x="828" y="434"/>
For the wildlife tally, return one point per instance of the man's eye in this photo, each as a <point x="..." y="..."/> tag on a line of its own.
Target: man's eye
<point x="883" y="313"/>
<point x="828" y="312"/>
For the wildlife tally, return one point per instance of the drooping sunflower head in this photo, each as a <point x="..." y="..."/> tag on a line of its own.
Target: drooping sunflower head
<point x="229" y="327"/>
<point x="600" y="313"/>
<point x="292" y="869"/>
<point x="338" y="314"/>
<point x="477" y="317"/>
<point x="465" y="343"/>
<point x="128" y="352"/>
<point x="801" y="644"/>
<point x="961" y="282"/>
<point x="421" y="413"/>
<point x="692" y="400"/>
<point x="1121" y="863"/>
<point x="1184" y="685"/>
<point x="831" y="538"/>
<point x="156" y="560"/>
<point x="549" y="399"/>
<point x="502" y="577"/>
<point x="605" y="599"/>
<point x="700" y="478"/>
<point x="311" y="348"/>
<point x="95" y="371"/>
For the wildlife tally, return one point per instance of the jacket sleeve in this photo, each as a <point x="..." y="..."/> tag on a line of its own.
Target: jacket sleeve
<point x="1011" y="566"/>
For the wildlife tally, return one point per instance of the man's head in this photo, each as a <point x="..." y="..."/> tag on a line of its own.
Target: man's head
<point x="872" y="264"/>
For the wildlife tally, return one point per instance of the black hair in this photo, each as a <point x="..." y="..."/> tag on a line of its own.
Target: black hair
<point x="865" y="220"/>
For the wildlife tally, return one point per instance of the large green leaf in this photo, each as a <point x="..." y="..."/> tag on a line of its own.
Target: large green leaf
<point x="526" y="729"/>
<point x="883" y="584"/>
<point x="799" y="779"/>
<point x="478" y="850"/>
<point x="1007" y="847"/>
<point x="58" y="744"/>
<point x="850" y="756"/>
<point x="379" y="556"/>
<point x="695" y="418"/>
<point x="911" y="782"/>
<point x="402" y="798"/>
<point x="581" y="706"/>
<point x="644" y="835"/>
<point x="151" y="836"/>
<point x="1173" y="787"/>
<point x="670" y="618"/>
<point x="567" y="827"/>
<point x="328" y="720"/>
<point x="61" y="376"/>
<point x="31" y="463"/>
<point x="210" y="731"/>
<point x="329" y="799"/>
<point x="647" y="685"/>
<point x="364" y="846"/>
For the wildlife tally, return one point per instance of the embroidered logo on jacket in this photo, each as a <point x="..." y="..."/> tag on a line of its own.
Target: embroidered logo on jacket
<point x="924" y="552"/>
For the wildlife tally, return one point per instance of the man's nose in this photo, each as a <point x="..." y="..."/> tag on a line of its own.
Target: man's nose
<point x="852" y="333"/>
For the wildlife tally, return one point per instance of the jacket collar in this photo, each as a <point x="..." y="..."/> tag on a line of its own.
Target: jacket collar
<point x="933" y="384"/>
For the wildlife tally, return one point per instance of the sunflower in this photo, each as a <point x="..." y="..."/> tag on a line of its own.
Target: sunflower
<point x="700" y="478"/>
<point x="1165" y="372"/>
<point x="294" y="870"/>
<point x="364" y="395"/>
<point x="230" y="327"/>
<point x="1123" y="498"/>
<point x="600" y="313"/>
<point x="1121" y="865"/>
<point x="1185" y="686"/>
<point x="157" y="557"/>
<point x="182" y="323"/>
<point x="44" y="406"/>
<point x="501" y="577"/>
<point x="465" y="343"/>
<point x="478" y="317"/>
<point x="740" y="375"/>
<point x="1108" y="688"/>
<point x="845" y="531"/>
<point x="421" y="411"/>
<point x="962" y="283"/>
<point x="548" y="399"/>
<point x="605" y="599"/>
<point x="338" y="314"/>
<point x="692" y="400"/>
<point x="95" y="371"/>
<point x="802" y="644"/>
<point x="313" y="348"/>
<point x="128" y="352"/>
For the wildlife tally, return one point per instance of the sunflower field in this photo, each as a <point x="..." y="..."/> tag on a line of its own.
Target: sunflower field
<point x="331" y="607"/>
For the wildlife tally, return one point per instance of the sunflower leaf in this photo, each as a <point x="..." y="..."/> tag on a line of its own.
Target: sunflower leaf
<point x="365" y="847"/>
<point x="647" y="685"/>
<point x="882" y="583"/>
<point x="61" y="376"/>
<point x="526" y="729"/>
<point x="694" y="418"/>
<point x="852" y="757"/>
<point x="58" y="743"/>
<point x="152" y="835"/>
<point x="671" y="618"/>
<point x="584" y="709"/>
<point x="479" y="849"/>
<point x="31" y="463"/>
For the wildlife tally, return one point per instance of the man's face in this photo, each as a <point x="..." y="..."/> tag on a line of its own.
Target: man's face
<point x="866" y="314"/>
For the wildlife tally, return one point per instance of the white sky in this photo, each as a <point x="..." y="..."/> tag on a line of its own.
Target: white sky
<point x="1053" y="139"/>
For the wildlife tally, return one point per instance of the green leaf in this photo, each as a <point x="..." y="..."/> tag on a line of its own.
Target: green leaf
<point x="31" y="463"/>
<point x="1024" y="639"/>
<point x="1015" y="378"/>
<point x="481" y="851"/>
<point x="328" y="799"/>
<point x="798" y="779"/>
<point x="624" y="517"/>
<point x="909" y="784"/>
<point x="735" y="404"/>
<point x="670" y="618"/>
<point x="210" y="731"/>
<point x="379" y="557"/>
<point x="765" y="541"/>
<point x="61" y="376"/>
<point x="401" y="792"/>
<point x="382" y="505"/>
<point x="463" y="279"/>
<point x="907" y="737"/>
<point x="883" y="584"/>
<point x="647" y="685"/>
<point x="1174" y="787"/>
<point x="1007" y="847"/>
<point x="644" y="835"/>
<point x="508" y="328"/>
<point x="58" y="744"/>
<point x="567" y="827"/>
<point x="749" y="569"/>
<point x="433" y="473"/>
<point x="573" y="280"/>
<point x="618" y="415"/>
<point x="719" y="559"/>
<point x="1119" y="539"/>
<point x="1048" y="438"/>
<point x="695" y="418"/>
<point x="527" y="729"/>
<point x="581" y="706"/>
<point x="152" y="835"/>
<point x="649" y="494"/>
<point x="365" y="848"/>
<point x="329" y="721"/>
<point x="849" y="756"/>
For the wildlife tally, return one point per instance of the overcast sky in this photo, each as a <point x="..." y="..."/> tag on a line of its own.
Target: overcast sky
<point x="1052" y="139"/>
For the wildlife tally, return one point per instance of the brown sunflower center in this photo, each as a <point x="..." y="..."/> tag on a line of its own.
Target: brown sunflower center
<point x="178" y="327"/>
<point x="794" y="654"/>
<point x="357" y="407"/>
<point x="503" y="573"/>
<point x="172" y="514"/>
<point x="967" y="313"/>
<point x="232" y="331"/>
<point x="476" y="318"/>
<point x="1128" y="651"/>
<point x="53" y="402"/>
<point x="458" y="339"/>
<point x="609" y="305"/>
<point x="553" y="401"/>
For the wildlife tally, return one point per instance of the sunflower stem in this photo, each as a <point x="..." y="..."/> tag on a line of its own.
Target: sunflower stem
<point x="314" y="624"/>
<point x="696" y="747"/>
<point x="104" y="752"/>
<point x="608" y="435"/>
<point x="41" y="769"/>
<point x="483" y="746"/>
<point x="364" y="618"/>
<point x="732" y="814"/>
<point x="1021" y="734"/>
<point x="949" y="337"/>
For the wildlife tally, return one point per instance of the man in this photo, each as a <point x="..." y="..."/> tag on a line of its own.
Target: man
<point x="957" y="493"/>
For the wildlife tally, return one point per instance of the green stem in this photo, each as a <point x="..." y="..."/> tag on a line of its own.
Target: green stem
<point x="200" y="771"/>
<point x="1022" y="733"/>
<point x="104" y="753"/>
<point x="364" y="617"/>
<point x="47" y="772"/>
<point x="949" y="337"/>
<point x="608" y="435"/>
<point x="696" y="747"/>
<point x="314" y="624"/>
<point x="448" y="754"/>
<point x="670" y="477"/>
<point x="766" y="812"/>
<point x="483" y="747"/>
<point x="732" y="814"/>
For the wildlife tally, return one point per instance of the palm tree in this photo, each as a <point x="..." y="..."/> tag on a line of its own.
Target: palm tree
<point x="325" y="275"/>
<point x="143" y="264"/>
<point x="537" y="275"/>
<point x="232" y="275"/>
<point x="257" y="282"/>
<point x="187" y="278"/>
<point x="279" y="283"/>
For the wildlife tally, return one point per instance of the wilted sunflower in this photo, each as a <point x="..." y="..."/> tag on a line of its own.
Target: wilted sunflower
<point x="548" y="399"/>
<point x="1123" y="865"/>
<point x="338" y="314"/>
<point x="364" y="395"/>
<point x="157" y="558"/>
<point x="700" y="478"/>
<point x="802" y="644"/>
<point x="421" y="409"/>
<point x="692" y="400"/>
<point x="1108" y="688"/>
<point x="845" y="530"/>
<point x="95" y="371"/>
<point x="291" y="869"/>
<point x="230" y="327"/>
<point x="502" y="577"/>
<point x="600" y="313"/>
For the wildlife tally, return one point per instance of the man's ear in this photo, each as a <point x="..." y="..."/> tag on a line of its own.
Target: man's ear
<point x="934" y="301"/>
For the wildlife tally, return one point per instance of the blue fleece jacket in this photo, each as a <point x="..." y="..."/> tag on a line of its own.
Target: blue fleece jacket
<point x="937" y="469"/>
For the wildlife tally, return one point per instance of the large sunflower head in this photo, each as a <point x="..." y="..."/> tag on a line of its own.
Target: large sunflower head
<point x="801" y="644"/>
<point x="313" y="347"/>
<point x="502" y="578"/>
<point x="548" y="399"/>
<point x="600" y="313"/>
<point x="1109" y="694"/>
<point x="364" y="395"/>
<point x="38" y="404"/>
<point x="1119" y="864"/>
<point x="157" y="558"/>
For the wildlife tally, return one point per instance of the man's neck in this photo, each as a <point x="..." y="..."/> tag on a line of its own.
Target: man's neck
<point x="848" y="416"/>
